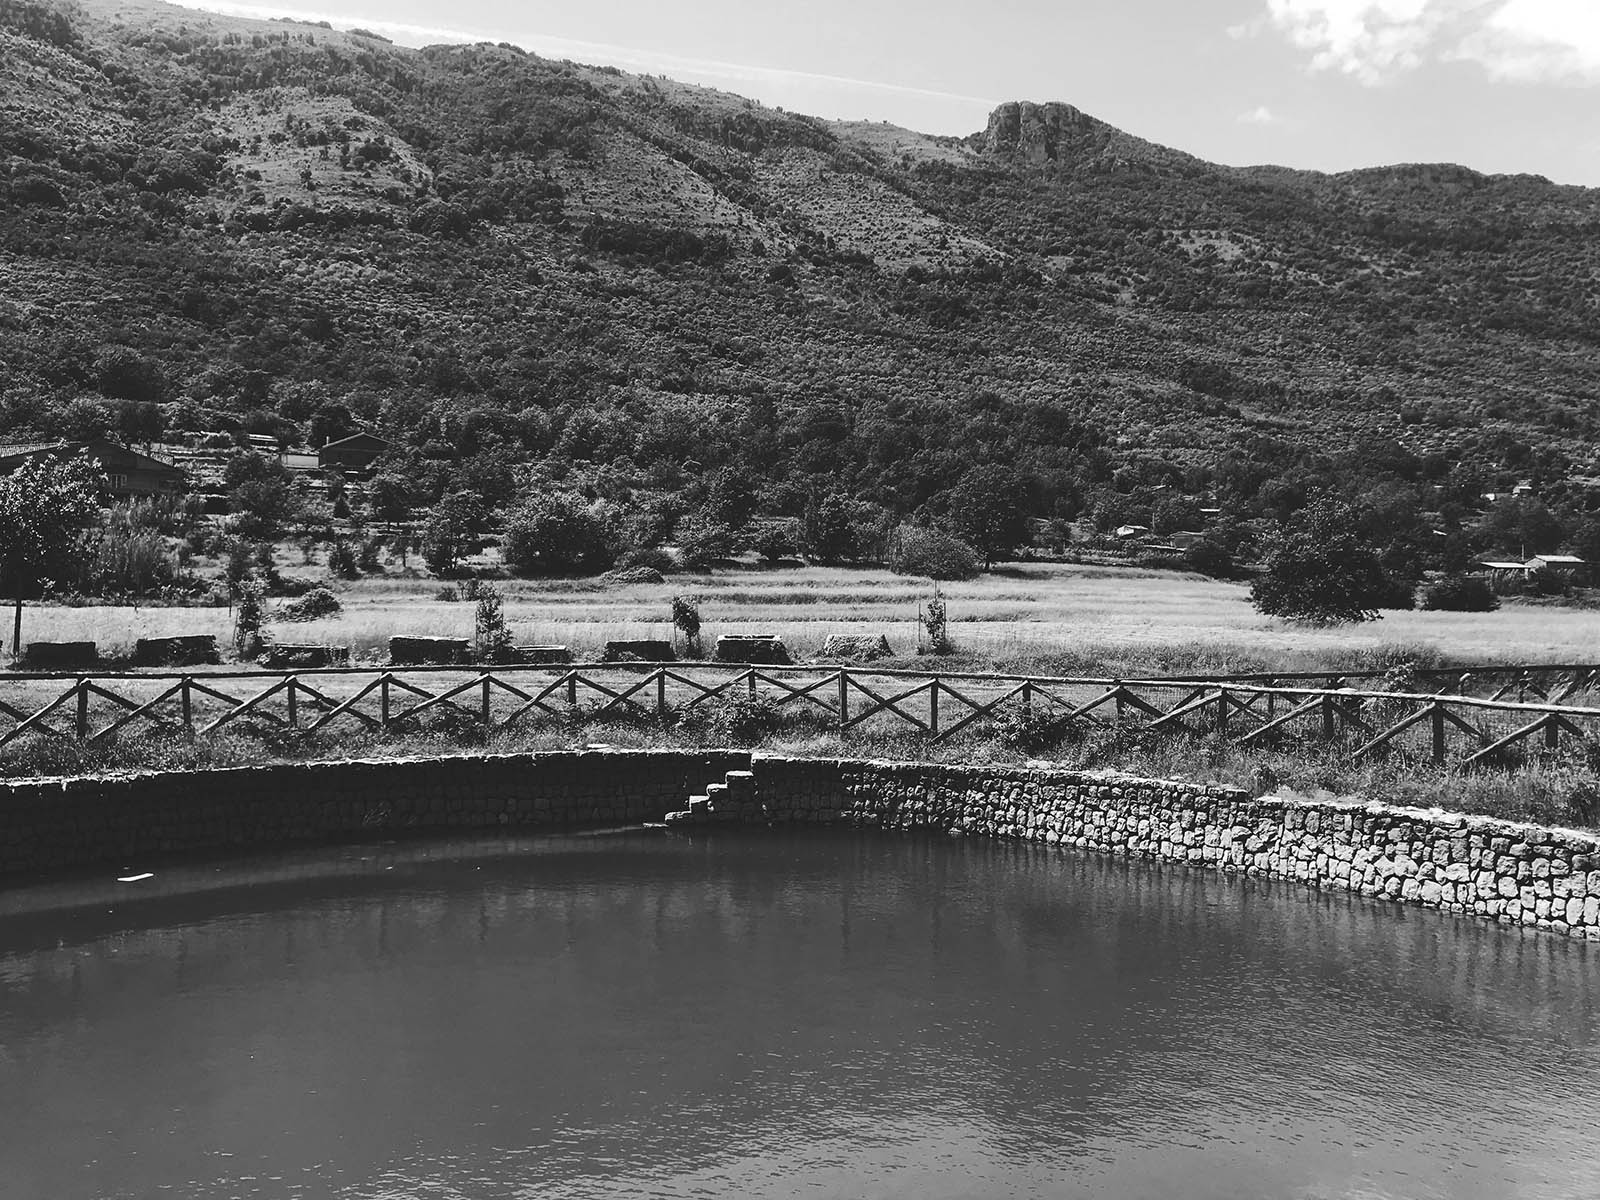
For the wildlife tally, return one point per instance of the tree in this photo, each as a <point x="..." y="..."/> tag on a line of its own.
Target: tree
<point x="390" y="497"/>
<point x="44" y="506"/>
<point x="451" y="526"/>
<point x="826" y="528"/>
<point x="933" y="553"/>
<point x="328" y="424"/>
<point x="1321" y="570"/>
<point x="558" y="534"/>
<point x="987" y="510"/>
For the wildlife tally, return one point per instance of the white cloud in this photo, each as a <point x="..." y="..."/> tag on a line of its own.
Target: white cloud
<point x="1259" y="115"/>
<point x="1527" y="41"/>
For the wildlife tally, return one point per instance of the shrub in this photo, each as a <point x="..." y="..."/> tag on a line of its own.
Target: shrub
<point x="654" y="558"/>
<point x="933" y="553"/>
<point x="1210" y="557"/>
<point x="1031" y="728"/>
<point x="1460" y="593"/>
<point x="489" y="626"/>
<point x="1545" y="581"/>
<point x="558" y="534"/>
<point x="686" y="620"/>
<point x="247" y="619"/>
<point x="734" y="717"/>
<point x="702" y="546"/>
<point x="315" y="605"/>
<point x="936" y="622"/>
<point x="342" y="560"/>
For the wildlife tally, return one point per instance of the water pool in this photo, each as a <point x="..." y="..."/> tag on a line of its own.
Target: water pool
<point x="811" y="1014"/>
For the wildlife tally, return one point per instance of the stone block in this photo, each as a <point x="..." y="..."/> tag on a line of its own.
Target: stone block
<point x="60" y="656"/>
<point x="642" y="650"/>
<point x="433" y="651"/>
<point x="190" y="650"/>
<point x="757" y="649"/>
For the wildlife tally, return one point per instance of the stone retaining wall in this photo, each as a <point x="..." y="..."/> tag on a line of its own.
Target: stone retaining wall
<point x="53" y="824"/>
<point x="1509" y="872"/>
<point x="1506" y="871"/>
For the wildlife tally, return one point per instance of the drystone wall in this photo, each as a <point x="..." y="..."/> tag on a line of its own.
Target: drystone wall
<point x="1512" y="873"/>
<point x="1506" y="871"/>
<point x="53" y="824"/>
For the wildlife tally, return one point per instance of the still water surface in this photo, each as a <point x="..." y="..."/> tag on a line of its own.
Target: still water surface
<point x="815" y="1015"/>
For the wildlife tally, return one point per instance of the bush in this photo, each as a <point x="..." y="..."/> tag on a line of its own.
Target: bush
<point x="342" y="560"/>
<point x="315" y="605"/>
<point x="654" y="558"/>
<point x="736" y="718"/>
<point x="703" y="546"/>
<point x="1460" y="593"/>
<point x="933" y="553"/>
<point x="559" y="534"/>
<point x="1210" y="557"/>
<point x="1033" y="728"/>
<point x="1545" y="581"/>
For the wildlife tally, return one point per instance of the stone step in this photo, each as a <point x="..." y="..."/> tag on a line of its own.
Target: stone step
<point x="699" y="805"/>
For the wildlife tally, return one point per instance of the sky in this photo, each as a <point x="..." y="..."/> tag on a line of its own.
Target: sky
<point x="1498" y="85"/>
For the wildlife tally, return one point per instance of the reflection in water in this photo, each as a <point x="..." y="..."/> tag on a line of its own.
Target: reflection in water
<point x="816" y="1014"/>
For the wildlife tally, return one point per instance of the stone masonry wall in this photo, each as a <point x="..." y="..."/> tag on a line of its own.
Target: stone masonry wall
<point x="54" y="824"/>
<point x="1506" y="871"/>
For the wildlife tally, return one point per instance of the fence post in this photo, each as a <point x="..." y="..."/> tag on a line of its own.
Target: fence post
<point x="1438" y="731"/>
<point x="1222" y="713"/>
<point x="572" y="689"/>
<point x="750" y="678"/>
<point x="487" y="715"/>
<point x="1121" y="701"/>
<point x="186" y="704"/>
<point x="83" y="708"/>
<point x="1027" y="700"/>
<point x="383" y="700"/>
<point x="844" y="698"/>
<point x="294" y="701"/>
<point x="1552" y="732"/>
<point x="933" y="706"/>
<point x="661" y="693"/>
<point x="1327" y="717"/>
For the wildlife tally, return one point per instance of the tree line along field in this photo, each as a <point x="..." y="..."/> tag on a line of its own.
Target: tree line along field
<point x="532" y="275"/>
<point x="1037" y="617"/>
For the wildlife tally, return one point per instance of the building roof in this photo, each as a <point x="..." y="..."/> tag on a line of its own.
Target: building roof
<point x="103" y="451"/>
<point x="1501" y="566"/>
<point x="1571" y="559"/>
<point x="359" y="441"/>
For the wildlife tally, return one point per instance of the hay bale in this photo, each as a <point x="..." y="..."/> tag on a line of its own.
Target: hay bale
<point x="856" y="647"/>
<point x="188" y="651"/>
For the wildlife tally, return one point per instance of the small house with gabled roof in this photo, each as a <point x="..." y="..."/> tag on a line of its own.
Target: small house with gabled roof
<point x="354" y="453"/>
<point x="128" y="474"/>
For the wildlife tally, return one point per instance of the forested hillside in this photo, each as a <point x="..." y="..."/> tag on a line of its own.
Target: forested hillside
<point x="524" y="270"/>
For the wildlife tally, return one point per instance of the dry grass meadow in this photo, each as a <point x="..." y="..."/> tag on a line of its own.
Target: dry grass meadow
<point x="1040" y="617"/>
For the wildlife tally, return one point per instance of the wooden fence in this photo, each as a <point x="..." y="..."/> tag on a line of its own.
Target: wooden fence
<point x="939" y="705"/>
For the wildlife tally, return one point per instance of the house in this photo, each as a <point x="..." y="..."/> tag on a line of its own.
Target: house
<point x="354" y="453"/>
<point x="1132" y="531"/>
<point x="1184" y="538"/>
<point x="128" y="473"/>
<point x="1502" y="574"/>
<point x="1570" y="565"/>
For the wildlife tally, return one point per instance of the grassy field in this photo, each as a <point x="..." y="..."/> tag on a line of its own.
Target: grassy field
<point x="1038" y="617"/>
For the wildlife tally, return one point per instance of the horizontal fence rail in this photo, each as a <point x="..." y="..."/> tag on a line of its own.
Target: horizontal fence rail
<point x="1442" y="726"/>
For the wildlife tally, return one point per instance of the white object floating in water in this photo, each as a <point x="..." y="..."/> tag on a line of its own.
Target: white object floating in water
<point x="135" y="878"/>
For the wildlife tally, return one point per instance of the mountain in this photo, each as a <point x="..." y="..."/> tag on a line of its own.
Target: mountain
<point x="479" y="252"/>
